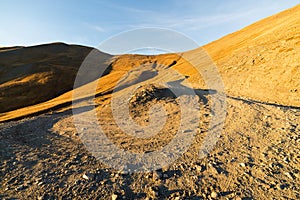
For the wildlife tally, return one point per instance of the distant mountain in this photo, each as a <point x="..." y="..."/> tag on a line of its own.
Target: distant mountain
<point x="30" y="75"/>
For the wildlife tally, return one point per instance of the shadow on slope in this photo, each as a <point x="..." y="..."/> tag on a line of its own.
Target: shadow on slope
<point x="31" y="75"/>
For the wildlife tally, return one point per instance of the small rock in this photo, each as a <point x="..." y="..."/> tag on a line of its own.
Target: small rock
<point x="214" y="195"/>
<point x="286" y="160"/>
<point x="27" y="183"/>
<point x="198" y="168"/>
<point x="242" y="164"/>
<point x="289" y="175"/>
<point x="153" y="193"/>
<point x="156" y="175"/>
<point x="21" y="187"/>
<point x="282" y="186"/>
<point x="114" y="197"/>
<point x="67" y="164"/>
<point x="213" y="168"/>
<point x="271" y="165"/>
<point x="85" y="176"/>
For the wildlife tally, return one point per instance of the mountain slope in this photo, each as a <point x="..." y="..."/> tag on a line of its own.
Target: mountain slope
<point x="259" y="62"/>
<point x="31" y="75"/>
<point x="262" y="61"/>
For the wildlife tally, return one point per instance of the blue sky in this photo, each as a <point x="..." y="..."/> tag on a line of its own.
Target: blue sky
<point x="92" y="21"/>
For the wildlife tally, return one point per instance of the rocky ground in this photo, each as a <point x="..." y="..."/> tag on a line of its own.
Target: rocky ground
<point x="256" y="157"/>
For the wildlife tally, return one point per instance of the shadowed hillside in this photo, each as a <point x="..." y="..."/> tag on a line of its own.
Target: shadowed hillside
<point x="31" y="75"/>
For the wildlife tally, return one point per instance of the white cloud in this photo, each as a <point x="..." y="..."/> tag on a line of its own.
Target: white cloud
<point x="98" y="28"/>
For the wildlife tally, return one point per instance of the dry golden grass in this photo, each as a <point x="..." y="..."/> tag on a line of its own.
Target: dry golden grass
<point x="259" y="62"/>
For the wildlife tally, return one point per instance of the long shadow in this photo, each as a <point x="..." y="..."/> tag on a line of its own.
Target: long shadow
<point x="251" y="101"/>
<point x="174" y="90"/>
<point x="177" y="92"/>
<point x="174" y="87"/>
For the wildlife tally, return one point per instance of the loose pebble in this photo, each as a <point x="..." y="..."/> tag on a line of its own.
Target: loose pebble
<point x="214" y="195"/>
<point x="114" y="197"/>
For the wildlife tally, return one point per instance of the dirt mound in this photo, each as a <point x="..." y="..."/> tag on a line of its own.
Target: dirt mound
<point x="144" y="94"/>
